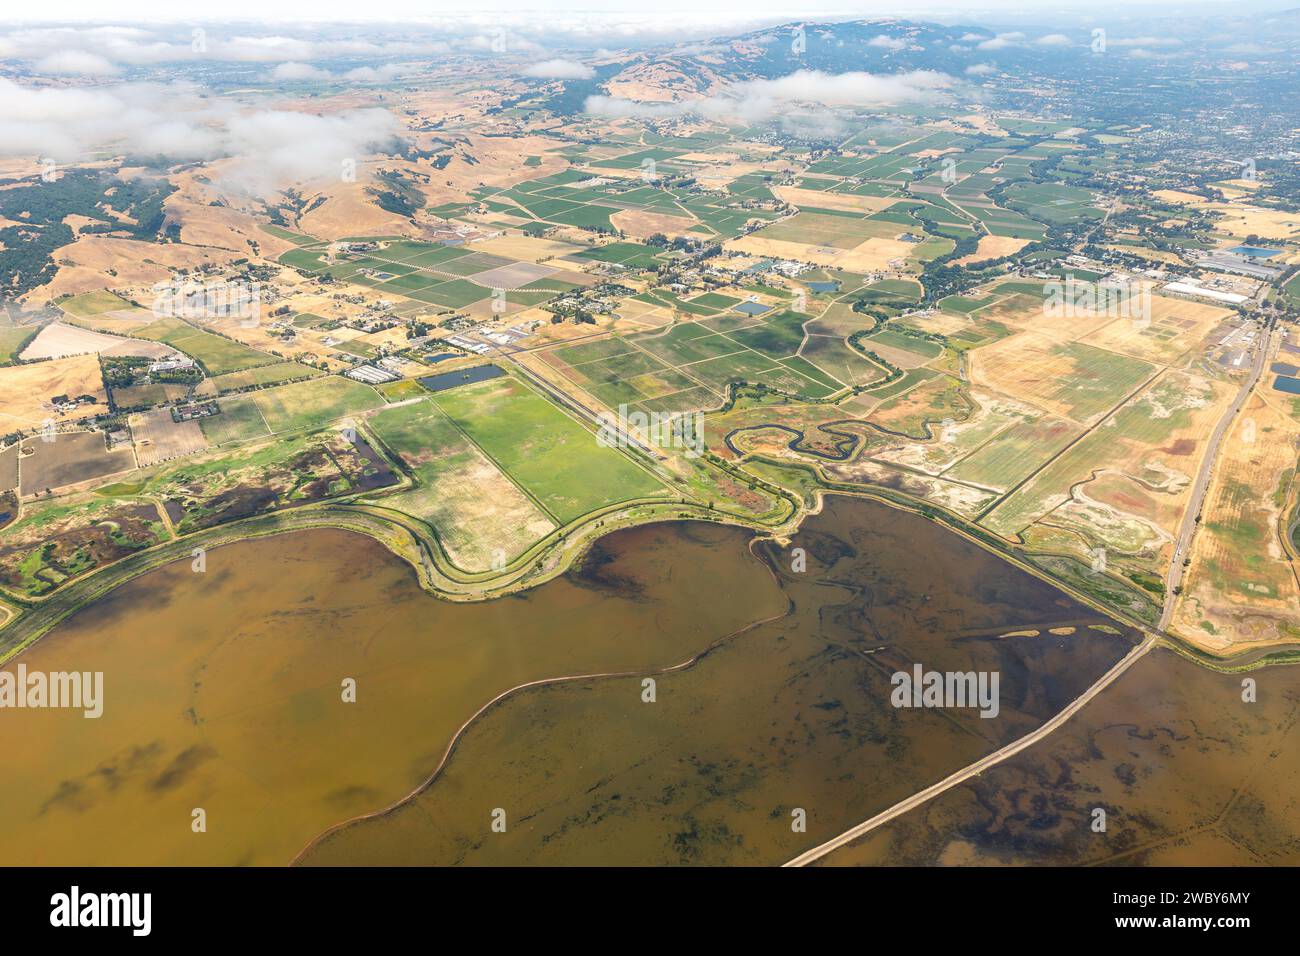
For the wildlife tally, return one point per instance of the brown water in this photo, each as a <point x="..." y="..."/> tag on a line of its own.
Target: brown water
<point x="223" y="692"/>
<point x="793" y="715"/>
<point x="1187" y="772"/>
<point x="223" y="689"/>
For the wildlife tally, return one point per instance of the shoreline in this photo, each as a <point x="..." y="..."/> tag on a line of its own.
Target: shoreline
<point x="548" y="558"/>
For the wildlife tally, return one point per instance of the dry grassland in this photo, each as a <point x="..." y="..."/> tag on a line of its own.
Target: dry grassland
<point x="132" y="264"/>
<point x="1174" y="335"/>
<point x="642" y="224"/>
<point x="26" y="390"/>
<point x="58" y="340"/>
<point x="820" y="199"/>
<point x="1241" y="587"/>
<point x="992" y="247"/>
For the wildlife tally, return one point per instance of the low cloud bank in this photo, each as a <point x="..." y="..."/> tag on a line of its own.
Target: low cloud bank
<point x="760" y="100"/>
<point x="270" y="148"/>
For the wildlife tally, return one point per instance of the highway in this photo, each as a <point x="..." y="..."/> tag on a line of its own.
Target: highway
<point x="1174" y="578"/>
<point x="1183" y="545"/>
<point x="979" y="766"/>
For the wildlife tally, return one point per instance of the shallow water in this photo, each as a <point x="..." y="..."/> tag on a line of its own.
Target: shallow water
<point x="223" y="689"/>
<point x="1187" y="772"/>
<point x="793" y="716"/>
<point x="223" y="692"/>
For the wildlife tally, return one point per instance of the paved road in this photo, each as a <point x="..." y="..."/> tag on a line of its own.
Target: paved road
<point x="1174" y="578"/>
<point x="1183" y="545"/>
<point x="947" y="783"/>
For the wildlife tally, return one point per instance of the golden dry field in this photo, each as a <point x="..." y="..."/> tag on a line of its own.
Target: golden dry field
<point x="27" y="391"/>
<point x="1242" y="587"/>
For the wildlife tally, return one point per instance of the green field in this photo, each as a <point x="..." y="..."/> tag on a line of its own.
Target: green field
<point x="632" y="255"/>
<point x="555" y="459"/>
<point x="907" y="343"/>
<point x="1099" y="379"/>
<point x="964" y="304"/>
<point x="264" y="375"/>
<point x="1053" y="202"/>
<point x="216" y="354"/>
<point x="314" y="403"/>
<point x="1015" y="454"/>
<point x="238" y="421"/>
<point x="297" y="238"/>
<point x="93" y="303"/>
<point x="477" y="513"/>
<point x="690" y="365"/>
<point x="13" y="339"/>
<point x="827" y="228"/>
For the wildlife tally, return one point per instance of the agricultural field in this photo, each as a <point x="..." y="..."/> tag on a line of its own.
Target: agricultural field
<point x="1052" y="202"/>
<point x="1242" y="588"/>
<point x="1068" y="379"/>
<point x="262" y="375"/>
<point x="291" y="408"/>
<point x="555" y="460"/>
<point x="1016" y="453"/>
<point x="479" y="515"/>
<point x="239" y="420"/>
<point x="59" y="340"/>
<point x="15" y="339"/>
<point x="217" y="355"/>
<point x="93" y="303"/>
<point x="158" y="438"/>
<point x="1123" y="487"/>
<point x="842" y="246"/>
<point x="604" y="199"/>
<point x="691" y="364"/>
<point x="448" y="277"/>
<point x="27" y="391"/>
<point x="977" y="426"/>
<point x="142" y="396"/>
<point x="70" y="459"/>
<point x="1175" y="334"/>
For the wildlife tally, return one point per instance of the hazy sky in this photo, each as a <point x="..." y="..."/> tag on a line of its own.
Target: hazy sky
<point x="689" y="10"/>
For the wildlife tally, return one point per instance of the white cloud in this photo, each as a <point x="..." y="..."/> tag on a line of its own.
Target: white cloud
<point x="130" y="46"/>
<point x="74" y="63"/>
<point x="267" y="148"/>
<point x="759" y="100"/>
<point x="1144" y="41"/>
<point x="560" y="70"/>
<point x="280" y="49"/>
<point x="273" y="148"/>
<point x="1002" y="41"/>
<point x="293" y="72"/>
<point x="888" y="43"/>
<point x="381" y="74"/>
<point x="980" y="69"/>
<point x="1054" y="39"/>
